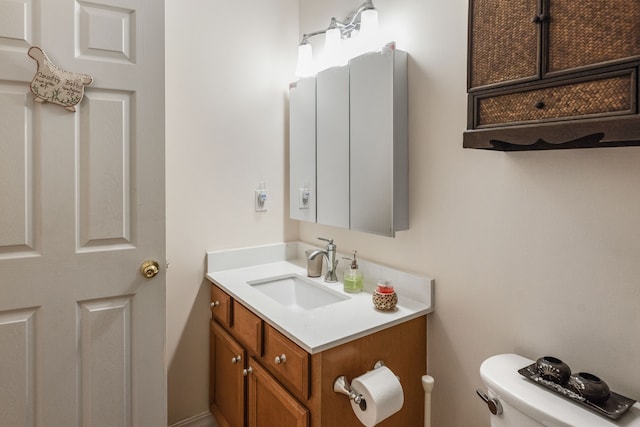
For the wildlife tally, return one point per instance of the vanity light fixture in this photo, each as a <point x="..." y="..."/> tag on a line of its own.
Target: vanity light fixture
<point x="357" y="34"/>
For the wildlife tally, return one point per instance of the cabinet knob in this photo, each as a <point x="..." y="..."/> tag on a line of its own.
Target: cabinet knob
<point x="215" y="304"/>
<point x="236" y="359"/>
<point x="247" y="371"/>
<point x="539" y="105"/>
<point x="280" y="359"/>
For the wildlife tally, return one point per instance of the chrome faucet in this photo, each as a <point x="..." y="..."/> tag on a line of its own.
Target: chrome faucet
<point x="332" y="262"/>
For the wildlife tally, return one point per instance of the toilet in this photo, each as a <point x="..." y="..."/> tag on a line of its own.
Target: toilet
<point x="520" y="402"/>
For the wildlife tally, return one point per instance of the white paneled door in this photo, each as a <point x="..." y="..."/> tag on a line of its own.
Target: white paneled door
<point x="82" y="331"/>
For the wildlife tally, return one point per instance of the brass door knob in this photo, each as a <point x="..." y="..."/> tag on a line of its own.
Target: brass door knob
<point x="149" y="269"/>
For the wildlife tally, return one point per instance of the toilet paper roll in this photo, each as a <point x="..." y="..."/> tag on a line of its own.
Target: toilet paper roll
<point x="382" y="391"/>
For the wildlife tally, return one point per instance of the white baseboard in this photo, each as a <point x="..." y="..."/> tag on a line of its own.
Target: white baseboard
<point x="202" y="420"/>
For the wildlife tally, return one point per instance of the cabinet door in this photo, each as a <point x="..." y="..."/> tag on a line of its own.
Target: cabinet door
<point x="504" y="41"/>
<point x="589" y="32"/>
<point x="302" y="150"/>
<point x="333" y="147"/>
<point x="379" y="160"/>
<point x="269" y="404"/>
<point x="226" y="383"/>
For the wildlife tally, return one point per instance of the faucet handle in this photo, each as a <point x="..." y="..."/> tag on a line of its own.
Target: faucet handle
<point x="326" y="240"/>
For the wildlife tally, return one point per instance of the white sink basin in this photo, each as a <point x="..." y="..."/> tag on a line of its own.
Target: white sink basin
<point x="297" y="292"/>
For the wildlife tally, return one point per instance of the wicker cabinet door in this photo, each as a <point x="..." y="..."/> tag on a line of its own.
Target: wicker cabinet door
<point x="503" y="41"/>
<point x="588" y="32"/>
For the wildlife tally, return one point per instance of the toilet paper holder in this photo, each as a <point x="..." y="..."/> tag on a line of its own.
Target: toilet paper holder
<point x="341" y="385"/>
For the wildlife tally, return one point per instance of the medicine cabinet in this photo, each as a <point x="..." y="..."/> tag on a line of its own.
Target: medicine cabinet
<point x="348" y="145"/>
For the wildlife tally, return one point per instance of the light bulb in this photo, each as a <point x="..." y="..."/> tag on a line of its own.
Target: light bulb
<point x="305" y="67"/>
<point x="333" y="54"/>
<point x="369" y="30"/>
<point x="351" y="45"/>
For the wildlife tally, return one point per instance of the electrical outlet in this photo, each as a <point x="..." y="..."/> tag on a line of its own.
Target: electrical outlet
<point x="261" y="200"/>
<point x="303" y="198"/>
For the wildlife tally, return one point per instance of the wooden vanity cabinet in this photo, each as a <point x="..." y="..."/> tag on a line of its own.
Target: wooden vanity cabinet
<point x="402" y="348"/>
<point x="241" y="391"/>
<point x="285" y="386"/>
<point x="553" y="74"/>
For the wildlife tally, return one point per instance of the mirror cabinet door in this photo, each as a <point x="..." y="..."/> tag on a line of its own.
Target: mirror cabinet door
<point x="332" y="149"/>
<point x="302" y="150"/>
<point x="378" y="143"/>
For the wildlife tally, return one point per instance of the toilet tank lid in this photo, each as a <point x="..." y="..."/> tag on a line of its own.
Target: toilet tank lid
<point x="500" y="374"/>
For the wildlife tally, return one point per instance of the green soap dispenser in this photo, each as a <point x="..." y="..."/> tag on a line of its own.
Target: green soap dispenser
<point x="353" y="277"/>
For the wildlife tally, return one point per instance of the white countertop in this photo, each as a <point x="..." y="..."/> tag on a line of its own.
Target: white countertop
<point x="320" y="328"/>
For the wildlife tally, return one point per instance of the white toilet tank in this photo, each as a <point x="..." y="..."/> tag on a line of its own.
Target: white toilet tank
<point x="525" y="404"/>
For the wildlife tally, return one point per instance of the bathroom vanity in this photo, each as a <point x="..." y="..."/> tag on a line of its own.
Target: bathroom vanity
<point x="275" y="363"/>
